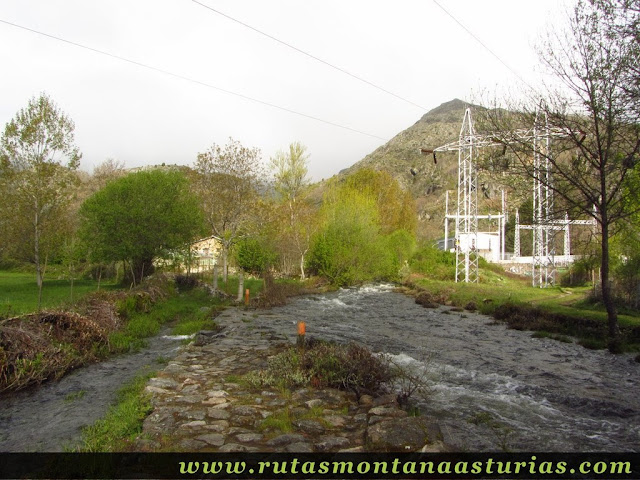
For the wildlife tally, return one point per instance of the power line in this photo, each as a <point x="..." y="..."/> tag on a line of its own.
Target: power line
<point x="482" y="43"/>
<point x="282" y="42"/>
<point x="188" y="79"/>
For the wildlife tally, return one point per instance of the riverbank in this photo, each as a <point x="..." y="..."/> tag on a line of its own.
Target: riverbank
<point x="562" y="314"/>
<point x="490" y="388"/>
<point x="201" y="403"/>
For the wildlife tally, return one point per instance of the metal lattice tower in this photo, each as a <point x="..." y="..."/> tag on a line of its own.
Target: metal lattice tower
<point x="466" y="218"/>
<point x="543" y="268"/>
<point x="467" y="207"/>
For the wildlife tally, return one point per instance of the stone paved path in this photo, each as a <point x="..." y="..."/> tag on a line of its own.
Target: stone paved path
<point x="200" y="405"/>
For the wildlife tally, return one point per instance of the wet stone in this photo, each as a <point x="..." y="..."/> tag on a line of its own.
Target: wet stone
<point x="286" y="439"/>
<point x="190" y="444"/>
<point x="218" y="414"/>
<point x="310" y="427"/>
<point x="214" y="439"/>
<point x="398" y="435"/>
<point x="244" y="421"/>
<point x="327" y="444"/>
<point x="193" y="414"/>
<point x="249" y="437"/>
<point x="299" y="447"/>
<point x="194" y="424"/>
<point x="244" y="410"/>
<point x="218" y="426"/>
<point x="235" y="448"/>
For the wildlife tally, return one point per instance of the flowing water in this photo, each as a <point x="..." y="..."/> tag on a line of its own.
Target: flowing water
<point x="491" y="387"/>
<point x="50" y="417"/>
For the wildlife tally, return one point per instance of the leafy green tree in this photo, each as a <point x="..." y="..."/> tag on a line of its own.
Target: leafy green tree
<point x="37" y="162"/>
<point x="228" y="182"/>
<point x="353" y="245"/>
<point x="291" y="182"/>
<point x="140" y="217"/>
<point x="396" y="208"/>
<point x="255" y="255"/>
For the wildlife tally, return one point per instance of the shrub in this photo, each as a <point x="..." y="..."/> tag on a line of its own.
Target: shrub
<point x="434" y="263"/>
<point x="323" y="364"/>
<point x="255" y="255"/>
<point x="186" y="282"/>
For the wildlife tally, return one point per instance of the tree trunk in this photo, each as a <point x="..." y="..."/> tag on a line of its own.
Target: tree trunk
<point x="36" y="257"/>
<point x="225" y="266"/>
<point x="139" y="268"/>
<point x="607" y="296"/>
<point x="302" y="276"/>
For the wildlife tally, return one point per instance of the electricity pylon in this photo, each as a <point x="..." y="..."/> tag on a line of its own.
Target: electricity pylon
<point x="466" y="235"/>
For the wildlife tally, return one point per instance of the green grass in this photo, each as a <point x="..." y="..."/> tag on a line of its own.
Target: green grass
<point x="497" y="289"/>
<point x="123" y="421"/>
<point x="253" y="284"/>
<point x="19" y="292"/>
<point x="280" y="421"/>
<point x="188" y="312"/>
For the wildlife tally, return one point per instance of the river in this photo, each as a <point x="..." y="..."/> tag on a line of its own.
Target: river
<point x="491" y="388"/>
<point x="50" y="417"/>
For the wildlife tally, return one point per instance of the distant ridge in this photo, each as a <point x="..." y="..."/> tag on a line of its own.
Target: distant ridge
<point x="401" y="154"/>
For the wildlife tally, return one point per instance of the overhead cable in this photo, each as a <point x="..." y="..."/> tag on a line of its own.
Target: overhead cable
<point x="292" y="47"/>
<point x="189" y="79"/>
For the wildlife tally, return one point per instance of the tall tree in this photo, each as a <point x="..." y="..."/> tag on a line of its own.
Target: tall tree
<point x="140" y="217"/>
<point x="228" y="181"/>
<point x="37" y="160"/>
<point x="594" y="124"/>
<point x="291" y="182"/>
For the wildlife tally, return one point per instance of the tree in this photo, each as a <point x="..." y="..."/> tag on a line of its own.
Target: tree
<point x="291" y="182"/>
<point x="396" y="208"/>
<point x="255" y="255"/>
<point x="353" y="243"/>
<point x="593" y="113"/>
<point x="140" y="217"/>
<point x="228" y="181"/>
<point x="37" y="160"/>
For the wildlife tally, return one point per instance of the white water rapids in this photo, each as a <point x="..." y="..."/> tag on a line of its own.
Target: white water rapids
<point x="490" y="387"/>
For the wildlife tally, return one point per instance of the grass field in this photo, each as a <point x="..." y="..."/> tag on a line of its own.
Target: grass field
<point x="546" y="311"/>
<point x="19" y="292"/>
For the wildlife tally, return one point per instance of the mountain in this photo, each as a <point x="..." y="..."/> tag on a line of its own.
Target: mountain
<point x="418" y="173"/>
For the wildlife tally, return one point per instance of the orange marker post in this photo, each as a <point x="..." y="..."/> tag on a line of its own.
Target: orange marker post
<point x="246" y="297"/>
<point x="302" y="329"/>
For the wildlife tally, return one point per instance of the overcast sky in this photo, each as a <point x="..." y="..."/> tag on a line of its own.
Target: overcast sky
<point x="140" y="116"/>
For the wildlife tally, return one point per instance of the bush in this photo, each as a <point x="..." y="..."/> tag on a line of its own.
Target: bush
<point x="323" y="364"/>
<point x="255" y="256"/>
<point x="434" y="263"/>
<point x="579" y="274"/>
<point x="186" y="282"/>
